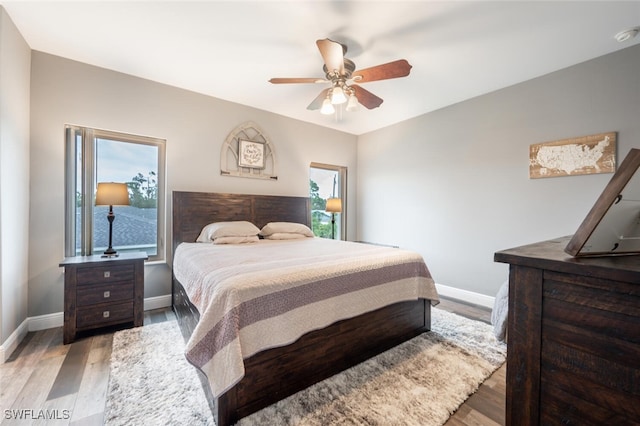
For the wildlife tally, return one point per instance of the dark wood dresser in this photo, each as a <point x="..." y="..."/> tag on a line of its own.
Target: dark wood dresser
<point x="101" y="292"/>
<point x="573" y="354"/>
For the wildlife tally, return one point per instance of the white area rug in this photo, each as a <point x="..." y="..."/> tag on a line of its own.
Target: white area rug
<point x="421" y="382"/>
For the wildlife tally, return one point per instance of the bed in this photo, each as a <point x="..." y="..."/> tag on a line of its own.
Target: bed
<point x="271" y="374"/>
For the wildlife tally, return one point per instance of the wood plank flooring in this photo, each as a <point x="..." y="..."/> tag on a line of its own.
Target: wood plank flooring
<point x="47" y="383"/>
<point x="486" y="407"/>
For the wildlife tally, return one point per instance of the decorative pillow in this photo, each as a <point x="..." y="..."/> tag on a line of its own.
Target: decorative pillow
<point x="284" y="236"/>
<point x="236" y="240"/>
<point x="286" y="228"/>
<point x="238" y="228"/>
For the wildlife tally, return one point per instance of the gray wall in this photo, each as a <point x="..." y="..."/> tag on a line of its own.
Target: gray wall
<point x="453" y="184"/>
<point x="195" y="127"/>
<point x="15" y="59"/>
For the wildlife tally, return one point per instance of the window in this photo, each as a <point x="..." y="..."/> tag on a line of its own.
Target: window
<point x="327" y="181"/>
<point x="94" y="156"/>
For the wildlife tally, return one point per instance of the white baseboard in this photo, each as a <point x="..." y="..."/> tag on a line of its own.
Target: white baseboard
<point x="466" y="296"/>
<point x="158" y="302"/>
<point x="44" y="322"/>
<point x="10" y="345"/>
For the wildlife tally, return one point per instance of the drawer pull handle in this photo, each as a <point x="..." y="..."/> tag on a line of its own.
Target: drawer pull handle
<point x="107" y="274"/>
<point x="105" y="314"/>
<point x="107" y="294"/>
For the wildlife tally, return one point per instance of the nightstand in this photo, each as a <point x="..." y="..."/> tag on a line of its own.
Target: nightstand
<point x="102" y="291"/>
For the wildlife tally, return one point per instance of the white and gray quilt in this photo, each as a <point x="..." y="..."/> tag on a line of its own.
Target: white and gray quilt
<point x="257" y="296"/>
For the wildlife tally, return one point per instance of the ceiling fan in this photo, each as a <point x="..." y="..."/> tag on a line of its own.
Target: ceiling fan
<point x="341" y="73"/>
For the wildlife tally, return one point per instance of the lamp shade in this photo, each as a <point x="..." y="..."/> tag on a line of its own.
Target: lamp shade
<point x="327" y="108"/>
<point x="352" y="105"/>
<point x="337" y="96"/>
<point x="334" y="205"/>
<point x="112" y="194"/>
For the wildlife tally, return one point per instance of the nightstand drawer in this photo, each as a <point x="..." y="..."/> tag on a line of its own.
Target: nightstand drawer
<point x="104" y="274"/>
<point x="91" y="295"/>
<point x="104" y="315"/>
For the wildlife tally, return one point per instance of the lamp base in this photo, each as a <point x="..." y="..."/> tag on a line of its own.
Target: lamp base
<point x="110" y="252"/>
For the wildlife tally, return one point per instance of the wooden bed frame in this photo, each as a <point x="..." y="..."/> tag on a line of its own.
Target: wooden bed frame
<point x="315" y="356"/>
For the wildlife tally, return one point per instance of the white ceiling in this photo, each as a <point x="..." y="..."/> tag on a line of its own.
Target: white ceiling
<point x="230" y="49"/>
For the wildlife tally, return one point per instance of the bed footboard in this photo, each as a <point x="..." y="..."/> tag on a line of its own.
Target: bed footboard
<point x="314" y="357"/>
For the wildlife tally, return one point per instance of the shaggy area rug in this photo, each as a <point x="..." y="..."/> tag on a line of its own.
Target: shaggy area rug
<point x="420" y="382"/>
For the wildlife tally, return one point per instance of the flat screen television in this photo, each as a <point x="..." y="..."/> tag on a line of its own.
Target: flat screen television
<point x="612" y="227"/>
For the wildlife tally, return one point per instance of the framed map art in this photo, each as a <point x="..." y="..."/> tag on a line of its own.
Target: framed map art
<point x="576" y="156"/>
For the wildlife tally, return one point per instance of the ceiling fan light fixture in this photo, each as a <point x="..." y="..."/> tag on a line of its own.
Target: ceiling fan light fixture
<point x="337" y="96"/>
<point x="327" y="108"/>
<point x="340" y="72"/>
<point x="352" y="104"/>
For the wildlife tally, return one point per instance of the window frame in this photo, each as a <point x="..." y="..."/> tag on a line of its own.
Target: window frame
<point x="88" y="137"/>
<point x="342" y="193"/>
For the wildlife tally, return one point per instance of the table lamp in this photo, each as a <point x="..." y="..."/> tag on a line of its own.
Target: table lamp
<point x="334" y="205"/>
<point x="110" y="194"/>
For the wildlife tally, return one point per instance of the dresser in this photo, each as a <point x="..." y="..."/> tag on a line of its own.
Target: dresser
<point x="573" y="353"/>
<point x="102" y="291"/>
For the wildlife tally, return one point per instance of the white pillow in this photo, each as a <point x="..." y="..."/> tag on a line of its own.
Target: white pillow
<point x="286" y="228"/>
<point x="284" y="236"/>
<point x="240" y="228"/>
<point x="236" y="240"/>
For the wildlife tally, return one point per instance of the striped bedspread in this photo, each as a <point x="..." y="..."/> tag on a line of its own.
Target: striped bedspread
<point x="253" y="297"/>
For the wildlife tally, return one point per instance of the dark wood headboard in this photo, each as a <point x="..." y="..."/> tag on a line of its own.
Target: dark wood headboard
<point x="193" y="210"/>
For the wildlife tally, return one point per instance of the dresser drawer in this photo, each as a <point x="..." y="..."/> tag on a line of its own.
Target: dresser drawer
<point x="104" y="274"/>
<point x="91" y="295"/>
<point x="104" y="315"/>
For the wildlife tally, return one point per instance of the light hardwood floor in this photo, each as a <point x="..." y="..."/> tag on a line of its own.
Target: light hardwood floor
<point x="486" y="407"/>
<point x="44" y="378"/>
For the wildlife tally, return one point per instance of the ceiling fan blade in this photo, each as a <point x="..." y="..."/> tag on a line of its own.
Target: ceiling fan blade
<point x="366" y="98"/>
<point x="395" y="69"/>
<point x="317" y="102"/>
<point x="333" y="54"/>
<point x="297" y="80"/>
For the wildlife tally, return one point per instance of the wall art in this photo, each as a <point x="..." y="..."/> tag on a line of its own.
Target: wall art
<point x="576" y="156"/>
<point x="248" y="152"/>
